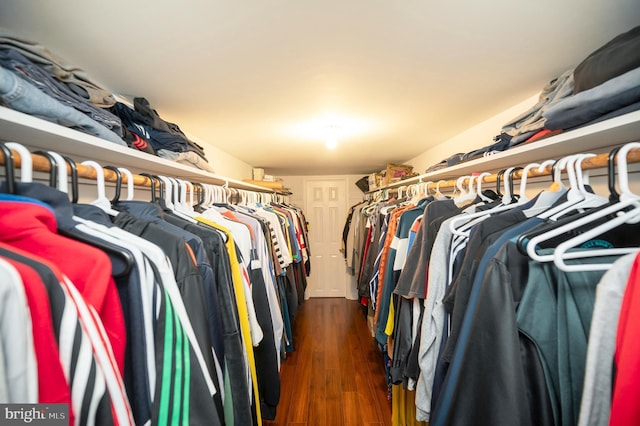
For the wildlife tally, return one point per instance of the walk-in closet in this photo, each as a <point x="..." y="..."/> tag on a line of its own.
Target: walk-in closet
<point x="320" y="213"/>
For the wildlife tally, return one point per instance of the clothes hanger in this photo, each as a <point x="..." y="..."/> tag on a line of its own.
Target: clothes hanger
<point x="10" y="180"/>
<point x="26" y="163"/>
<point x="549" y="196"/>
<point x="102" y="201"/>
<point x="179" y="199"/>
<point x="482" y="196"/>
<point x="498" y="180"/>
<point x="573" y="223"/>
<point x="439" y="194"/>
<point x="460" y="225"/>
<point x="124" y="267"/>
<point x="63" y="175"/>
<point x="118" y="187"/>
<point x="53" y="167"/>
<point x="589" y="199"/>
<point x="75" y="192"/>
<point x="188" y="206"/>
<point x="611" y="175"/>
<point x="523" y="182"/>
<point x="524" y="239"/>
<point x="153" y="185"/>
<point x="167" y="193"/>
<point x="465" y="195"/>
<point x="200" y="197"/>
<point x="573" y="194"/>
<point x="629" y="216"/>
<point x="130" y="186"/>
<point x="509" y="196"/>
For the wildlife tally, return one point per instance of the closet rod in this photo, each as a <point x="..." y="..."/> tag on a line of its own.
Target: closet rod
<point x="41" y="164"/>
<point x="596" y="162"/>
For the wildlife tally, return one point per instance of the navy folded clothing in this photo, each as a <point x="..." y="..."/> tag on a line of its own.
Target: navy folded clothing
<point x="138" y="123"/>
<point x="152" y="118"/>
<point x="615" y="58"/>
<point x="586" y="106"/>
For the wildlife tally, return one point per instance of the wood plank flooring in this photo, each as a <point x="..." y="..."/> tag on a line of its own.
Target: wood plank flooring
<point x="335" y="376"/>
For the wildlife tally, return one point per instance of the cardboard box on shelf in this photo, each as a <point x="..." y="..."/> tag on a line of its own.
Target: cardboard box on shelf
<point x="397" y="172"/>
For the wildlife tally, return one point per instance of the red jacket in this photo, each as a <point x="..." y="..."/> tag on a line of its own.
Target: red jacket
<point x="32" y="228"/>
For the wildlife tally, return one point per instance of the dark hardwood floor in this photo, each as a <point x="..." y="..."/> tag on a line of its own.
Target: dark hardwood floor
<point x="335" y="376"/>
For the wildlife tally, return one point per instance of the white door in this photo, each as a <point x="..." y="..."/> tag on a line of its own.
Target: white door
<point x="325" y="208"/>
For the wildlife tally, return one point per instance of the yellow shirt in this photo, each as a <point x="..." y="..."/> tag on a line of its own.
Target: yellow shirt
<point x="242" y="308"/>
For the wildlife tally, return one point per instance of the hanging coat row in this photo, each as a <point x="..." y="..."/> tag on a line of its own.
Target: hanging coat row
<point x="497" y="307"/>
<point x="163" y="312"/>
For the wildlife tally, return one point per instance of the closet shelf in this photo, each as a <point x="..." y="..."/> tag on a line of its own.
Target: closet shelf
<point x="36" y="133"/>
<point x="596" y="138"/>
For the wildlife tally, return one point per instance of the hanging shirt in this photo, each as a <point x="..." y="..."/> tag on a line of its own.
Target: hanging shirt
<point x="243" y="309"/>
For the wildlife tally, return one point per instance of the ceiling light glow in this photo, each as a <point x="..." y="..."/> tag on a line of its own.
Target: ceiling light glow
<point x="331" y="136"/>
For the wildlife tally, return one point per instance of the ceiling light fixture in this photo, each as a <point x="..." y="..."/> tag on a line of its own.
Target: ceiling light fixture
<point x="331" y="136"/>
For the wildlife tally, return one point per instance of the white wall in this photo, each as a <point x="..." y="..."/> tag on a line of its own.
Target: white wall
<point x="478" y="136"/>
<point x="224" y="164"/>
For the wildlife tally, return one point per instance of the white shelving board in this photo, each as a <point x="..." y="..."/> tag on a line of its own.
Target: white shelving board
<point x="596" y="138"/>
<point x="35" y="133"/>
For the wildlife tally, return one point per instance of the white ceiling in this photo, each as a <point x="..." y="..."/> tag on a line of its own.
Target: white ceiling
<point x="262" y="80"/>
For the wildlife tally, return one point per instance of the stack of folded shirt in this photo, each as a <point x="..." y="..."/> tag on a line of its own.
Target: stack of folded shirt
<point x="37" y="82"/>
<point x="606" y="85"/>
<point x="165" y="138"/>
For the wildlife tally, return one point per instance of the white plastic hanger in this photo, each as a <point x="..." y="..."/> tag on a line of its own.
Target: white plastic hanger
<point x="168" y="192"/>
<point x="574" y="195"/>
<point x="589" y="199"/>
<point x="480" y="194"/>
<point x="102" y="201"/>
<point x="549" y="196"/>
<point x="465" y="194"/>
<point x="523" y="182"/>
<point x="507" y="198"/>
<point x="129" y="182"/>
<point x="180" y="199"/>
<point x="460" y="225"/>
<point x="26" y="163"/>
<point x="627" y="199"/>
<point x="439" y="194"/>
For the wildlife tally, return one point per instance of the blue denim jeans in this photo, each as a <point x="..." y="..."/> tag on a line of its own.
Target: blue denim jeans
<point x="22" y="96"/>
<point x="75" y="78"/>
<point x="14" y="61"/>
